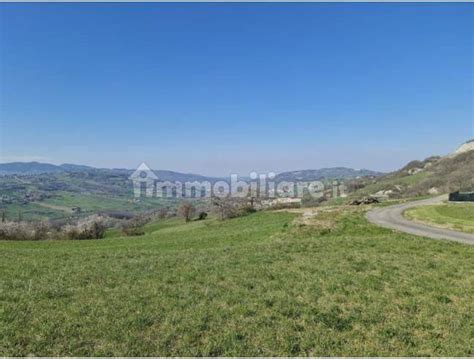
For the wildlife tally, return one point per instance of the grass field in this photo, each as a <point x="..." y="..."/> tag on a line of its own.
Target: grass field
<point x="61" y="206"/>
<point x="401" y="181"/>
<point x="459" y="217"/>
<point x="256" y="285"/>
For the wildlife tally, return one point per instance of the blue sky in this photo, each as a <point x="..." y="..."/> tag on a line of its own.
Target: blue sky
<point x="230" y="88"/>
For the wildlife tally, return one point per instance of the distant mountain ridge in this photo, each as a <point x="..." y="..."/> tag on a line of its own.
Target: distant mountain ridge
<point x="34" y="168"/>
<point x="37" y="168"/>
<point x="14" y="168"/>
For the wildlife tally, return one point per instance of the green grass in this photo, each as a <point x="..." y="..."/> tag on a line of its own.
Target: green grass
<point x="89" y="203"/>
<point x="256" y="285"/>
<point x="94" y="203"/>
<point x="30" y="211"/>
<point x="459" y="217"/>
<point x="383" y="184"/>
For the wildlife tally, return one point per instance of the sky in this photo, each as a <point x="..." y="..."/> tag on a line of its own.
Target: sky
<point x="214" y="88"/>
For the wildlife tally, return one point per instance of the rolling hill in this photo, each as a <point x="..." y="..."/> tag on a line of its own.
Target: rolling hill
<point x="326" y="173"/>
<point x="42" y="190"/>
<point x="428" y="177"/>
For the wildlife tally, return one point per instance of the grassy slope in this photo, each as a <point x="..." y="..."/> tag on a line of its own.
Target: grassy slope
<point x="385" y="183"/>
<point x="256" y="285"/>
<point x="446" y="175"/>
<point x="30" y="211"/>
<point x="459" y="217"/>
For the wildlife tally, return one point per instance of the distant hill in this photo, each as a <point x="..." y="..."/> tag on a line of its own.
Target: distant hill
<point x="28" y="168"/>
<point x="32" y="168"/>
<point x="68" y="167"/>
<point x="325" y="173"/>
<point x="36" y="168"/>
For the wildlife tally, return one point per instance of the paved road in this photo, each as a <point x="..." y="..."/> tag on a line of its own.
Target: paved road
<point x="391" y="217"/>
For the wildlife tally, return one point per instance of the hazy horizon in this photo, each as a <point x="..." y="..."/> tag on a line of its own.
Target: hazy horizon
<point x="223" y="88"/>
<point x="45" y="161"/>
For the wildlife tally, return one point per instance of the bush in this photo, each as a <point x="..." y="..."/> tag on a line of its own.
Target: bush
<point x="163" y="213"/>
<point x="134" y="226"/>
<point x="88" y="228"/>
<point x="16" y="231"/>
<point x="25" y="231"/>
<point x="202" y="215"/>
<point x="227" y="208"/>
<point x="310" y="201"/>
<point x="186" y="210"/>
<point x="289" y="205"/>
<point x="246" y="209"/>
<point x="92" y="227"/>
<point x="42" y="230"/>
<point x="117" y="214"/>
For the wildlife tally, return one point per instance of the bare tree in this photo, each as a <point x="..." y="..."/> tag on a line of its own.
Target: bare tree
<point x="225" y="207"/>
<point x="163" y="212"/>
<point x="186" y="210"/>
<point x="233" y="207"/>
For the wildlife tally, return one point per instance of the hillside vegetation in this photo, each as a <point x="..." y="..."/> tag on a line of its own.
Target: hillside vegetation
<point x="265" y="284"/>
<point x="325" y="173"/>
<point x="418" y="178"/>
<point x="39" y="191"/>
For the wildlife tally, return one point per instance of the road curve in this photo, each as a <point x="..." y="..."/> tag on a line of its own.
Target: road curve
<point x="392" y="217"/>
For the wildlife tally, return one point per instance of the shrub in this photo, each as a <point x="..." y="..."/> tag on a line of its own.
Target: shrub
<point x="26" y="231"/>
<point x="245" y="209"/>
<point x="117" y="214"/>
<point x="41" y="230"/>
<point x="186" y="210"/>
<point x="227" y="208"/>
<point x="92" y="227"/>
<point x="202" y="215"/>
<point x="88" y="228"/>
<point x="16" y="231"/>
<point x="289" y="205"/>
<point x="163" y="213"/>
<point x="310" y="201"/>
<point x="134" y="226"/>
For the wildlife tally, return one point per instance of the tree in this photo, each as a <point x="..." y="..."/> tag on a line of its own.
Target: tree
<point x="225" y="207"/>
<point x="186" y="210"/>
<point x="163" y="213"/>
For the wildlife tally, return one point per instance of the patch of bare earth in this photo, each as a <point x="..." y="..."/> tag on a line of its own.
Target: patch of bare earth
<point x="320" y="218"/>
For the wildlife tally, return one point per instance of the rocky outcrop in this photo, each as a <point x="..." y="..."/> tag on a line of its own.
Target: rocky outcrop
<point x="465" y="147"/>
<point x="366" y="200"/>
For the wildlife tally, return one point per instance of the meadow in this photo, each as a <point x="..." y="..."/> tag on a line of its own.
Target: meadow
<point x="60" y="206"/>
<point x="263" y="284"/>
<point x="456" y="216"/>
